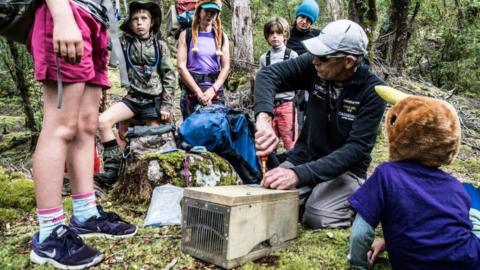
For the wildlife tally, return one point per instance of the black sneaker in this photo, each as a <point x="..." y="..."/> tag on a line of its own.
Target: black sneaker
<point x="108" y="225"/>
<point x="64" y="249"/>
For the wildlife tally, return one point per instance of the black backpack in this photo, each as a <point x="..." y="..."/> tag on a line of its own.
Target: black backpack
<point x="16" y="19"/>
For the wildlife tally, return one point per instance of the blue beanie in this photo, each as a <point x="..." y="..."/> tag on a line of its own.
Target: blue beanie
<point x="309" y="9"/>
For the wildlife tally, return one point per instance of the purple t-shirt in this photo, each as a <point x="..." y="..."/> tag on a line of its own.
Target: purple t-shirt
<point x="424" y="216"/>
<point x="205" y="61"/>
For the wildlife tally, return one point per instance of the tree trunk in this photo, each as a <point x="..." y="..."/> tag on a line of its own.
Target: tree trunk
<point x="23" y="87"/>
<point x="242" y="35"/>
<point x="460" y="15"/>
<point x="411" y="22"/>
<point x="365" y="13"/>
<point x="399" y="19"/>
<point x="393" y="40"/>
<point x="335" y="9"/>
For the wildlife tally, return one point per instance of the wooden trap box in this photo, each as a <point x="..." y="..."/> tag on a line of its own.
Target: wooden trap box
<point x="230" y="225"/>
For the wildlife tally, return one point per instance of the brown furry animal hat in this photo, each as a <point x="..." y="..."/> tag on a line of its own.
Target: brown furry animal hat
<point x="217" y="25"/>
<point x="422" y="129"/>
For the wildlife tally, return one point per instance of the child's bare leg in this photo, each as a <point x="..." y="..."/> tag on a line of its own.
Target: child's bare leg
<point x="88" y="219"/>
<point x="118" y="112"/>
<point x="112" y="153"/>
<point x="121" y="132"/>
<point x="58" y="131"/>
<point x="80" y="153"/>
<point x="152" y="122"/>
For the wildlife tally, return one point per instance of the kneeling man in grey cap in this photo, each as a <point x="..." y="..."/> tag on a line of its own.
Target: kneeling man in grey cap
<point x="330" y="159"/>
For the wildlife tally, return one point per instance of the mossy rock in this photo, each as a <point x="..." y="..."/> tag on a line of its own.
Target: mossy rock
<point x="7" y="141"/>
<point x="17" y="195"/>
<point x="178" y="168"/>
<point x="10" y="124"/>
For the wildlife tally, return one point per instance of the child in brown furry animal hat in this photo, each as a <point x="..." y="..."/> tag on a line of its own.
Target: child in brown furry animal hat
<point x="424" y="211"/>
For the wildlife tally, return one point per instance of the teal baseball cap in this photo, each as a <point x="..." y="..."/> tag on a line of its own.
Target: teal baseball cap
<point x="211" y="6"/>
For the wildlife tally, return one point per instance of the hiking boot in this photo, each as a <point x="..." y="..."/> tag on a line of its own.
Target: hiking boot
<point x="112" y="158"/>
<point x="108" y="225"/>
<point x="64" y="249"/>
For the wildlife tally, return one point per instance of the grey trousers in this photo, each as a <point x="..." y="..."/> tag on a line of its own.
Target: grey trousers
<point x="326" y="205"/>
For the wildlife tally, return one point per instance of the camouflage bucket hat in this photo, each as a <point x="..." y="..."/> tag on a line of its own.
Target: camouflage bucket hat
<point x="154" y="10"/>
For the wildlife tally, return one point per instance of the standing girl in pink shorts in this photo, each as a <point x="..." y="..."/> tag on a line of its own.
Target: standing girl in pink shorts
<point x="70" y="37"/>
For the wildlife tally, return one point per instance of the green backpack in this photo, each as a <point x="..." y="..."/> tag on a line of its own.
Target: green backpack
<point x="16" y="19"/>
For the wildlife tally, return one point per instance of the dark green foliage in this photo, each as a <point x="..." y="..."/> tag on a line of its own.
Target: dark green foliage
<point x="7" y="85"/>
<point x="444" y="47"/>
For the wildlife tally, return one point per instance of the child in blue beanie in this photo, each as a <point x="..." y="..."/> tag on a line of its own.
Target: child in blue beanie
<point x="309" y="9"/>
<point x="306" y="14"/>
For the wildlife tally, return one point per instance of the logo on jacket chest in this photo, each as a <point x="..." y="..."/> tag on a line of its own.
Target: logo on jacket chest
<point x="320" y="91"/>
<point x="349" y="109"/>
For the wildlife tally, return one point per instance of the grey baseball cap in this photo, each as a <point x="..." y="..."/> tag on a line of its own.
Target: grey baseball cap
<point x="339" y="36"/>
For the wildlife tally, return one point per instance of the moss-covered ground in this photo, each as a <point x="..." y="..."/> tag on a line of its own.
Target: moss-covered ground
<point x="155" y="248"/>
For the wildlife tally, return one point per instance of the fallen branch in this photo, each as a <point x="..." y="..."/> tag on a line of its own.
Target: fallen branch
<point x="170" y="236"/>
<point x="472" y="146"/>
<point x="170" y="265"/>
<point x="451" y="93"/>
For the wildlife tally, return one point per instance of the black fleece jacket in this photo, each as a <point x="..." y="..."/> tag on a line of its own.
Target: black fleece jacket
<point x="294" y="42"/>
<point x="335" y="138"/>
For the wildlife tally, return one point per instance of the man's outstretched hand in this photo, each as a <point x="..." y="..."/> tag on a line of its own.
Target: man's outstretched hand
<point x="280" y="178"/>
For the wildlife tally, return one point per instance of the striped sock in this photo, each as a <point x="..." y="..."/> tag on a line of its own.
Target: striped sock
<point x="49" y="219"/>
<point x="84" y="206"/>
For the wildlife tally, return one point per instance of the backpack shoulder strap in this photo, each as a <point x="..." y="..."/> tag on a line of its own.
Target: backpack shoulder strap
<point x="126" y="43"/>
<point x="223" y="39"/>
<point x="159" y="61"/>
<point x="286" y="56"/>
<point x="188" y="37"/>
<point x="159" y="45"/>
<point x="267" y="58"/>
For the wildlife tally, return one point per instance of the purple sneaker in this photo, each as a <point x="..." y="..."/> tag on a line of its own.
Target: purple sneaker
<point x="108" y="225"/>
<point x="64" y="249"/>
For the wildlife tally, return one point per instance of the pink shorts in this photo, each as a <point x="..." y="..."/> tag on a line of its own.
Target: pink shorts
<point x="92" y="69"/>
<point x="285" y="124"/>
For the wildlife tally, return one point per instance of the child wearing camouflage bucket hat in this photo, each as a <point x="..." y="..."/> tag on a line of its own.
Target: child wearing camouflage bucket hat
<point x="203" y="58"/>
<point x="152" y="83"/>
